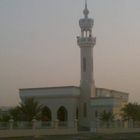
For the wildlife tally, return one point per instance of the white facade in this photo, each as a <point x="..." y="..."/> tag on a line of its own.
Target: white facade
<point x="55" y="98"/>
<point x="69" y="98"/>
<point x="79" y="102"/>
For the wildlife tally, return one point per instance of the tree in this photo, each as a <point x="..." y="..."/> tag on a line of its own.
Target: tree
<point x="30" y="108"/>
<point x="131" y="111"/>
<point x="15" y="113"/>
<point x="107" y="117"/>
<point x="5" y="117"/>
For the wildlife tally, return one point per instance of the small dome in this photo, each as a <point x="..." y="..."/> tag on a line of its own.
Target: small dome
<point x="86" y="12"/>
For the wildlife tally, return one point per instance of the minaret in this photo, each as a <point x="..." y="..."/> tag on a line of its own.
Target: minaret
<point x="86" y="42"/>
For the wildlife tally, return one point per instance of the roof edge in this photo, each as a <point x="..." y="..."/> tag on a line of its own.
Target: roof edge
<point x="42" y="88"/>
<point x="112" y="90"/>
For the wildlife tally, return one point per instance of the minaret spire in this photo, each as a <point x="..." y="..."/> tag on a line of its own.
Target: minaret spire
<point x="86" y="11"/>
<point x="86" y="4"/>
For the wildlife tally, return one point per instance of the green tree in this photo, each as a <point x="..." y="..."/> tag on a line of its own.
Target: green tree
<point x="16" y="113"/>
<point x="29" y="109"/>
<point x="131" y="111"/>
<point x="107" y="117"/>
<point x="5" y="118"/>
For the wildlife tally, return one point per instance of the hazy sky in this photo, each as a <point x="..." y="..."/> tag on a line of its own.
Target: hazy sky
<point x="38" y="45"/>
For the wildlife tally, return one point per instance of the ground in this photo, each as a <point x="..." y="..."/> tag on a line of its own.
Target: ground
<point x="85" y="136"/>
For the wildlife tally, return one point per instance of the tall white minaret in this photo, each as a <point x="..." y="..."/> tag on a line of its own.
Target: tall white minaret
<point x="86" y="43"/>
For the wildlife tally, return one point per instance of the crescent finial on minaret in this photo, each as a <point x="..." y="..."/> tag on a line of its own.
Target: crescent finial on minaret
<point x="86" y="4"/>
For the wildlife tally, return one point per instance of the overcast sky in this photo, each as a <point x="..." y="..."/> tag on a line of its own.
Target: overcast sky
<point x="38" y="45"/>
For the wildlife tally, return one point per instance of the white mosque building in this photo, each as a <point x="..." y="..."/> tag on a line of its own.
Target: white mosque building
<point x="85" y="102"/>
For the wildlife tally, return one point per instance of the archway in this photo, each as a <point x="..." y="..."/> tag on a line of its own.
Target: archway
<point x="46" y="114"/>
<point x="62" y="114"/>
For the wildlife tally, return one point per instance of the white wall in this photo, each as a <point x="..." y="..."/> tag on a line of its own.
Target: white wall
<point x="54" y="98"/>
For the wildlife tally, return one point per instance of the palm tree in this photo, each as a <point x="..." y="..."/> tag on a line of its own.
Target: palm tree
<point x="30" y="108"/>
<point x="107" y="117"/>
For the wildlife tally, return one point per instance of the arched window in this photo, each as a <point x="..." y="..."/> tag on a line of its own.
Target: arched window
<point x="88" y="33"/>
<point x="62" y="114"/>
<point x="84" y="33"/>
<point x="46" y="114"/>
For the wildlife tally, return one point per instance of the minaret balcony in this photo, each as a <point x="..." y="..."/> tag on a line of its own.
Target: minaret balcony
<point x="86" y="41"/>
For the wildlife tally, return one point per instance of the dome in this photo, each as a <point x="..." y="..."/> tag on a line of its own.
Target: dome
<point x="86" y="11"/>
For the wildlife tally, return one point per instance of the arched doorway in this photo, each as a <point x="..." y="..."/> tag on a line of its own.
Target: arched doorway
<point x="46" y="114"/>
<point x="62" y="114"/>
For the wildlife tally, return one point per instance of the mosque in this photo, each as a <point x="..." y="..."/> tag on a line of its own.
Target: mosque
<point x="85" y="102"/>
